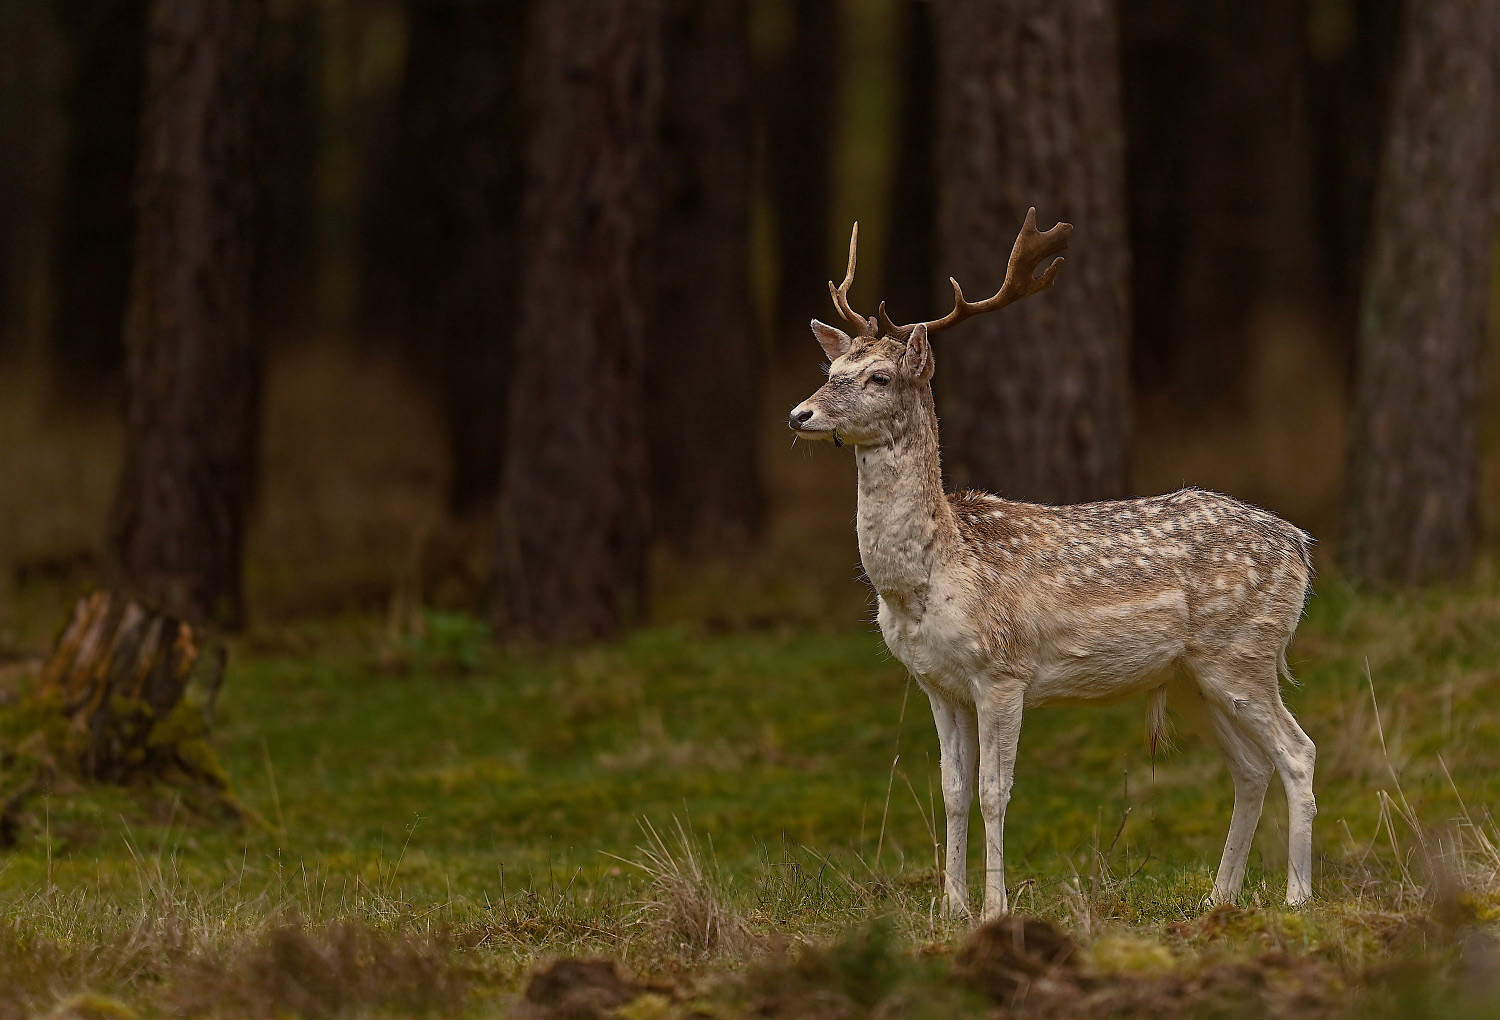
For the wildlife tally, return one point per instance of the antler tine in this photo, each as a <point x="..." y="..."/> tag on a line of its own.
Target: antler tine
<point x="1032" y="248"/>
<point x="840" y="293"/>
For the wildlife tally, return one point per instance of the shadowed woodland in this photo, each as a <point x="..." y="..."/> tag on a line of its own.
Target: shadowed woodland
<point x="591" y="256"/>
<point x="449" y="343"/>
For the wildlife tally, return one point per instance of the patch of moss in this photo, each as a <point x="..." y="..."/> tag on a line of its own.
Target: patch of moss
<point x="1129" y="954"/>
<point x="93" y="1006"/>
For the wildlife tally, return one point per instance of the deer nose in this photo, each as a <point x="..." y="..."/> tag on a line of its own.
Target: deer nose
<point x="800" y="417"/>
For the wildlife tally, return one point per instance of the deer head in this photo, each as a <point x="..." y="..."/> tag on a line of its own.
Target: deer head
<point x="878" y="371"/>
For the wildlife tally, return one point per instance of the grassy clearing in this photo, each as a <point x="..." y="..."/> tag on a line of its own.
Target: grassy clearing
<point x="746" y="822"/>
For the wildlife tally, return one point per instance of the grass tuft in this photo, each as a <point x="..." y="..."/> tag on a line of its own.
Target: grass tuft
<point x="686" y="909"/>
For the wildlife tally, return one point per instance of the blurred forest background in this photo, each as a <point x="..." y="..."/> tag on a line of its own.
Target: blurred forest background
<point x="315" y="307"/>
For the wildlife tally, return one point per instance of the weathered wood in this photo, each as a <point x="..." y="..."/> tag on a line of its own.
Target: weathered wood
<point x="125" y="698"/>
<point x="118" y="672"/>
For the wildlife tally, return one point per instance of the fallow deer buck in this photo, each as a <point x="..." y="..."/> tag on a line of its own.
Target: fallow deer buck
<point x="996" y="606"/>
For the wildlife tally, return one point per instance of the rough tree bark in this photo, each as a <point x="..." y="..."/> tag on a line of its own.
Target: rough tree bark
<point x="1034" y="401"/>
<point x="704" y="359"/>
<point x="572" y="513"/>
<point x="192" y="361"/>
<point x="1412" y="511"/>
<point x="442" y="234"/>
<point x="798" y="115"/>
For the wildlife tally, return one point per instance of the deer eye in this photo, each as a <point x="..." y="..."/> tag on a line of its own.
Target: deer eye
<point x="880" y="379"/>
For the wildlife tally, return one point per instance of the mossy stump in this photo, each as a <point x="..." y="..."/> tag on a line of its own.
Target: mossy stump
<point x="118" y="673"/>
<point x="124" y="698"/>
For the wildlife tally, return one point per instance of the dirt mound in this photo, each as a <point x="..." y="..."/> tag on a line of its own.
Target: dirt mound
<point x="579" y="990"/>
<point x="1035" y="969"/>
<point x="1007" y="956"/>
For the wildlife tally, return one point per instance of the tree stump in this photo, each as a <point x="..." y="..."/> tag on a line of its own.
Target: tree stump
<point x="119" y="673"/>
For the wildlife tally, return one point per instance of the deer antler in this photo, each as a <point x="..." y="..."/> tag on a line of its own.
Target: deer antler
<point x="1032" y="248"/>
<point x="866" y="327"/>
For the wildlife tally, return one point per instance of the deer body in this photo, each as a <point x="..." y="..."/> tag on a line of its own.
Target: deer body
<point x="997" y="606"/>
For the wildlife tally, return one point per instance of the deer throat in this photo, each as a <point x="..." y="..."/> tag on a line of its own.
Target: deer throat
<point x="904" y="521"/>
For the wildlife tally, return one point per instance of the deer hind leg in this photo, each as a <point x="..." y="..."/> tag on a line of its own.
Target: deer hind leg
<point x="1251" y="770"/>
<point x="1295" y="755"/>
<point x="958" y="740"/>
<point x="1251" y="695"/>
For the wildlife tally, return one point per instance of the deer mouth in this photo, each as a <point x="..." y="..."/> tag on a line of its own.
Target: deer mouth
<point x="821" y="435"/>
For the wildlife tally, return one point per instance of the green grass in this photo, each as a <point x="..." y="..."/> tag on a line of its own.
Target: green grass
<point x="479" y="811"/>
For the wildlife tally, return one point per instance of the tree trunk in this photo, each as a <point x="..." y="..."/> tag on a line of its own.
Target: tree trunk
<point x="704" y="358"/>
<point x="29" y="117"/>
<point x="800" y="85"/>
<point x="97" y="222"/>
<point x="286" y="132"/>
<point x="442" y="237"/>
<point x="1220" y="186"/>
<point x="1348" y="94"/>
<point x="572" y="512"/>
<point x="1412" y="509"/>
<point x="1034" y="399"/>
<point x="193" y="368"/>
<point x="911" y="279"/>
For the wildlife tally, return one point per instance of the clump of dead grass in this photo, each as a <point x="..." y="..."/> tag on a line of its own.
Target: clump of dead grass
<point x="1450" y="868"/>
<point x="347" y="965"/>
<point x="686" y="908"/>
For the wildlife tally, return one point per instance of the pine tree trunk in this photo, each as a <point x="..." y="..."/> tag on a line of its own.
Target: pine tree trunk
<point x="192" y="370"/>
<point x="442" y="233"/>
<point x="26" y="171"/>
<point x="704" y="356"/>
<point x="286" y="132"/>
<point x="800" y="84"/>
<point x="1412" y="509"/>
<point x="1034" y="400"/>
<point x="911" y="277"/>
<point x="572" y="512"/>
<point x="96" y="228"/>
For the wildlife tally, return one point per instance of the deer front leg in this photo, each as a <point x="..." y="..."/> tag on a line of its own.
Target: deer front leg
<point x="958" y="740"/>
<point x="999" y="712"/>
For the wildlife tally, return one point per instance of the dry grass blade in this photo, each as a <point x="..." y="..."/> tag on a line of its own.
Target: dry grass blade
<point x="685" y="908"/>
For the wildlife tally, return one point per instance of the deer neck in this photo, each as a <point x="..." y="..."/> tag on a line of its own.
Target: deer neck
<point x="905" y="523"/>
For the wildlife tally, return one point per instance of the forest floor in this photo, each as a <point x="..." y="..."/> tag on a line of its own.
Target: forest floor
<point x="737" y="804"/>
<point x="745" y="823"/>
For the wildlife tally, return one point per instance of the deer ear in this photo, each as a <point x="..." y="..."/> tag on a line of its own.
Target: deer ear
<point x="917" y="361"/>
<point x="835" y="342"/>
